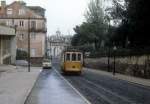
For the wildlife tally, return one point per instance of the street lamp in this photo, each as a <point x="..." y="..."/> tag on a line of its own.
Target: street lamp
<point x="108" y="60"/>
<point x="29" y="61"/>
<point x="114" y="70"/>
<point x="15" y="27"/>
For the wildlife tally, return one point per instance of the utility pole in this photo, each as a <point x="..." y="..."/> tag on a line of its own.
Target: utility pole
<point x="108" y="61"/>
<point x="46" y="42"/>
<point x="108" y="47"/>
<point x="114" y="70"/>
<point x="29" y="45"/>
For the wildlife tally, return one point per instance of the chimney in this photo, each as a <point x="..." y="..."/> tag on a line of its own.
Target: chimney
<point x="3" y="3"/>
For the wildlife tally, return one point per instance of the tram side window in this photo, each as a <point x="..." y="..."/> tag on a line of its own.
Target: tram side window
<point x="79" y="57"/>
<point x="67" y="57"/>
<point x="74" y="57"/>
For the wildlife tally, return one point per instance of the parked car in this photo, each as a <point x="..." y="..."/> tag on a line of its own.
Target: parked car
<point x="47" y="64"/>
<point x="22" y="63"/>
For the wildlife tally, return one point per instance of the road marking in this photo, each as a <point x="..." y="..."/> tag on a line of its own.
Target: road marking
<point x="88" y="102"/>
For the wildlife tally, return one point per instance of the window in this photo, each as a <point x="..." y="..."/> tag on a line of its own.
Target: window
<point x="13" y="22"/>
<point x="9" y="11"/>
<point x="33" y="24"/>
<point x="33" y="36"/>
<point x="0" y="44"/>
<point x="23" y="49"/>
<point x="79" y="57"/>
<point x="21" y="23"/>
<point x="21" y="36"/>
<point x="8" y="23"/>
<point x="67" y="57"/>
<point x="74" y="57"/>
<point x="33" y="52"/>
<point x="21" y="11"/>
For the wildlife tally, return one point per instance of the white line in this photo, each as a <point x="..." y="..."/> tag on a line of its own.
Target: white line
<point x="88" y="102"/>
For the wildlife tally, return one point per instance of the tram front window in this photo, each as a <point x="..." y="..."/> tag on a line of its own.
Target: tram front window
<point x="74" y="57"/>
<point x="67" y="57"/>
<point x="79" y="57"/>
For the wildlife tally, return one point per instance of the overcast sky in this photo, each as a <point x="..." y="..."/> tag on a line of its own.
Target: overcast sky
<point x="61" y="14"/>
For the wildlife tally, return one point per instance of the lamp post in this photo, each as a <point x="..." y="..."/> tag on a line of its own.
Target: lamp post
<point x="108" y="61"/>
<point x="29" y="45"/>
<point x="114" y="70"/>
<point x="15" y="27"/>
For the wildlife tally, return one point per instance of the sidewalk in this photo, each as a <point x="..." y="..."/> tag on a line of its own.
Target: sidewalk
<point x="140" y="81"/>
<point x="16" y="83"/>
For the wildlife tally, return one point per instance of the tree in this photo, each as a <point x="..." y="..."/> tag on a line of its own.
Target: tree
<point x="95" y="19"/>
<point x="84" y="34"/>
<point x="94" y="30"/>
<point x="134" y="16"/>
<point x="118" y="15"/>
<point x="94" y="12"/>
<point x="138" y="19"/>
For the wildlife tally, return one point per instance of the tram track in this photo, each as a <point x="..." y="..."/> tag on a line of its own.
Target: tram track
<point x="100" y="95"/>
<point x="110" y="94"/>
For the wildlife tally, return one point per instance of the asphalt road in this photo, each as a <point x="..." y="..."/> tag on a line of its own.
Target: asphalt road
<point x="101" y="89"/>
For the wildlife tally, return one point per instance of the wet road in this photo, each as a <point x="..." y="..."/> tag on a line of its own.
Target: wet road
<point x="101" y="89"/>
<point x="51" y="88"/>
<point x="97" y="88"/>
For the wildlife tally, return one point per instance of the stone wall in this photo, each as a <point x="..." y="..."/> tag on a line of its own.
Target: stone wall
<point x="36" y="61"/>
<point x="134" y="65"/>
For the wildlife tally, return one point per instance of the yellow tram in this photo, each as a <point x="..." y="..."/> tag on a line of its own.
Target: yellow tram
<point x="72" y="61"/>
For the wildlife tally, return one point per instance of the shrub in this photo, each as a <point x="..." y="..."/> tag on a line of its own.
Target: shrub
<point x="21" y="55"/>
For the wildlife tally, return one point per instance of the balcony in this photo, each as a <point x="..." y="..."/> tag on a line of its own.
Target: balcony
<point x="43" y="30"/>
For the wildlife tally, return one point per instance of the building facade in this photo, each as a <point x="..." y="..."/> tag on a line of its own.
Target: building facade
<point x="57" y="43"/>
<point x="7" y="45"/>
<point x="29" y="22"/>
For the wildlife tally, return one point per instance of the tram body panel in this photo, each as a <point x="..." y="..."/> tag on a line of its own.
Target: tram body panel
<point x="72" y="66"/>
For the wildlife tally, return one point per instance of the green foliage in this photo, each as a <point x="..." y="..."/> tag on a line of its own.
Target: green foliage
<point x="120" y="52"/>
<point x="94" y="29"/>
<point x="134" y="27"/>
<point x="95" y="12"/>
<point x="21" y="55"/>
<point x="117" y="34"/>
<point x="138" y="20"/>
<point x="84" y="34"/>
<point x="130" y="29"/>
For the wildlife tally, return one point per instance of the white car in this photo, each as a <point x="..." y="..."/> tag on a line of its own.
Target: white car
<point x="46" y="64"/>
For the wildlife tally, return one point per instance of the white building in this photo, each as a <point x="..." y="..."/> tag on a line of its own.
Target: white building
<point x="57" y="43"/>
<point x="7" y="45"/>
